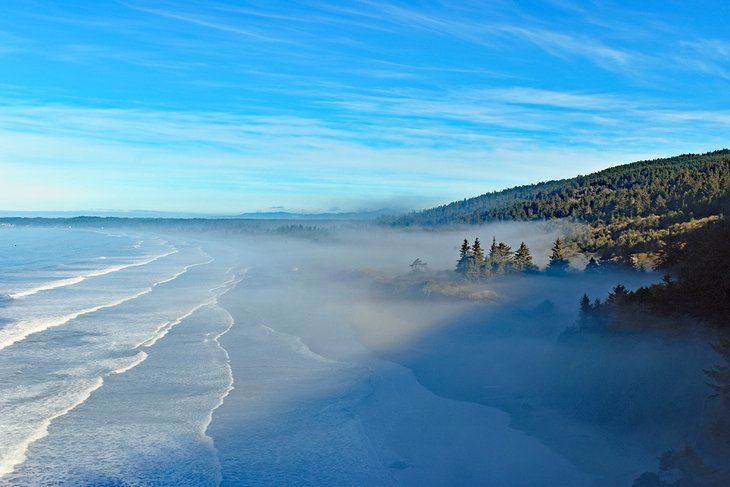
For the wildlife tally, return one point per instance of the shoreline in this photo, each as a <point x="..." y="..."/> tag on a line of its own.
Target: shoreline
<point x="403" y="432"/>
<point x="456" y="363"/>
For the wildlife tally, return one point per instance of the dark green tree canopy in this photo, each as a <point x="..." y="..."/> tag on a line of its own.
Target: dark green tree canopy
<point x="690" y="184"/>
<point x="523" y="258"/>
<point x="478" y="251"/>
<point x="465" y="249"/>
<point x="558" y="262"/>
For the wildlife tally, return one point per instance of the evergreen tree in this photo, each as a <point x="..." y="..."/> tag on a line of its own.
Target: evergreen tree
<point x="476" y="261"/>
<point x="502" y="257"/>
<point x="493" y="249"/>
<point x="523" y="259"/>
<point x="682" y="468"/>
<point x="672" y="190"/>
<point x="504" y="252"/>
<point x="465" y="248"/>
<point x="464" y="256"/>
<point x="478" y="252"/>
<point x="480" y="261"/>
<point x="720" y="374"/>
<point x="586" y="317"/>
<point x="558" y="262"/>
<point x="473" y="270"/>
<point x="592" y="267"/>
<point x="618" y="296"/>
<point x="585" y="304"/>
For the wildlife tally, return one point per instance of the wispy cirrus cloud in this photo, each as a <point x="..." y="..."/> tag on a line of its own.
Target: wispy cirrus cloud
<point x="371" y="148"/>
<point x="282" y="102"/>
<point x="207" y="21"/>
<point x="312" y="32"/>
<point x="494" y="31"/>
<point x="390" y="17"/>
<point x="561" y="44"/>
<point x="711" y="56"/>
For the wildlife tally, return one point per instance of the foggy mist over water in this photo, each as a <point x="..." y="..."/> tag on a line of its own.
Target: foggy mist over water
<point x="209" y="275"/>
<point x="269" y="359"/>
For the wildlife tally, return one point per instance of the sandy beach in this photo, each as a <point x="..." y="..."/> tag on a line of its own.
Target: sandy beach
<point x="312" y="405"/>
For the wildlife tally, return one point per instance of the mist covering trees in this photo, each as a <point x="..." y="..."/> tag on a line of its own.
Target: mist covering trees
<point x="558" y="262"/>
<point x="667" y="214"/>
<point x="523" y="259"/>
<point x="695" y="287"/>
<point x="473" y="264"/>
<point x="692" y="299"/>
<point x="464" y="257"/>
<point x="631" y="209"/>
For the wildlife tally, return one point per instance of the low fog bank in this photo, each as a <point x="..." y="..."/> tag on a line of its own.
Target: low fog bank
<point x="609" y="403"/>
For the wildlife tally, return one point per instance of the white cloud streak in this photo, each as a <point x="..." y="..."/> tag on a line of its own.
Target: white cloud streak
<point x="431" y="151"/>
<point x="261" y="98"/>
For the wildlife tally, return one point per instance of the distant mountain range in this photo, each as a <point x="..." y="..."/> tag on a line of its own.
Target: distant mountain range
<point x="284" y="215"/>
<point x="136" y="214"/>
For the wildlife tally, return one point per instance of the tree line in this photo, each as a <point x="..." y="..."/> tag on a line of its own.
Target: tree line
<point x="630" y="209"/>
<point x="695" y="287"/>
<point x="474" y="263"/>
<point x="681" y="187"/>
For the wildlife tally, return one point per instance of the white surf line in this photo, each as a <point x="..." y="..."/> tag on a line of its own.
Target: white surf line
<point x="137" y="359"/>
<point x="20" y="452"/>
<point x="75" y="280"/>
<point x="229" y="370"/>
<point x="18" y="455"/>
<point x="9" y="462"/>
<point x="20" y="330"/>
<point x="222" y="398"/>
<point x="184" y="270"/>
<point x="165" y="328"/>
<point x="298" y="346"/>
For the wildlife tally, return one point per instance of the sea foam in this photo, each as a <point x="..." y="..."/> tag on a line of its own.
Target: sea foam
<point x="78" y="279"/>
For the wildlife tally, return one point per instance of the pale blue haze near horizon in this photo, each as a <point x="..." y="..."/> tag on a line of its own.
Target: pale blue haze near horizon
<point x="233" y="106"/>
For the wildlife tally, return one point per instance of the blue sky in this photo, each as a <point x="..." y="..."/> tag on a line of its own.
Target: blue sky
<point x="224" y="107"/>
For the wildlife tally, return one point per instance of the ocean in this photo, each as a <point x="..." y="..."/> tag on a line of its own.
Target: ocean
<point x="141" y="358"/>
<point x="110" y="363"/>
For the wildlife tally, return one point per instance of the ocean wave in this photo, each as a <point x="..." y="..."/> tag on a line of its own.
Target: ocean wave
<point x="228" y="285"/>
<point x="297" y="345"/>
<point x="229" y="387"/>
<point x="17" y="331"/>
<point x="129" y="364"/>
<point x="16" y="454"/>
<point x="78" y="279"/>
<point x="165" y="328"/>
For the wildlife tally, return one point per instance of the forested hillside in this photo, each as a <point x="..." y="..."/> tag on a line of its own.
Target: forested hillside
<point x="631" y="209"/>
<point x="686" y="186"/>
